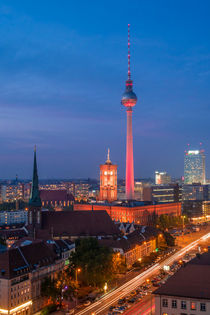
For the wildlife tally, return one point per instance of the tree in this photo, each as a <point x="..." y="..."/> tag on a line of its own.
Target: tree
<point x="61" y="286"/>
<point x="118" y="263"/>
<point x="95" y="262"/>
<point x="2" y="241"/>
<point x="48" y="289"/>
<point x="170" y="240"/>
<point x="165" y="221"/>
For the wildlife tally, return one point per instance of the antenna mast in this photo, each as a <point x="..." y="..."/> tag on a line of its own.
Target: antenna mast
<point x="129" y="55"/>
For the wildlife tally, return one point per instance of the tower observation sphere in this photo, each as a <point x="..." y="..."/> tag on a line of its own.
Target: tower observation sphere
<point x="129" y="98"/>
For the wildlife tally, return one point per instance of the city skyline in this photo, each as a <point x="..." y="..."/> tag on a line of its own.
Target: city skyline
<point x="62" y="77"/>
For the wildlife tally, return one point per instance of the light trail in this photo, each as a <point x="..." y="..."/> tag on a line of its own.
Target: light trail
<point x="113" y="296"/>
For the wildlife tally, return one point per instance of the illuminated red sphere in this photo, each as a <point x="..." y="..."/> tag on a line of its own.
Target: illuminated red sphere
<point x="129" y="98"/>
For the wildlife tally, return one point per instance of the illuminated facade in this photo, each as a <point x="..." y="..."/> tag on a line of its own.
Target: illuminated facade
<point x="22" y="271"/>
<point x="166" y="193"/>
<point x="162" y="178"/>
<point x="194" y="167"/>
<point x="139" y="212"/>
<point x="129" y="100"/>
<point x="206" y="209"/>
<point x="108" y="180"/>
<point x="13" y="217"/>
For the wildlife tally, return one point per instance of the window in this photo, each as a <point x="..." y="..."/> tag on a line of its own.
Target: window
<point x="174" y="304"/>
<point x="165" y="303"/>
<point x="193" y="306"/>
<point x="203" y="307"/>
<point x="183" y="305"/>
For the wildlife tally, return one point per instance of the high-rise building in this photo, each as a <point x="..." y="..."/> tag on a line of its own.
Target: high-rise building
<point x="196" y="192"/>
<point x="162" y="178"/>
<point x="194" y="167"/>
<point x="166" y="193"/>
<point x="108" y="180"/>
<point x="129" y="100"/>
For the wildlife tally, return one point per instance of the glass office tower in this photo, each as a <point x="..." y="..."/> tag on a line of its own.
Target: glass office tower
<point x="194" y="167"/>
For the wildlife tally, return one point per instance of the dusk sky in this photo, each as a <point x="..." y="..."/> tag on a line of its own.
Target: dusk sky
<point x="63" y="66"/>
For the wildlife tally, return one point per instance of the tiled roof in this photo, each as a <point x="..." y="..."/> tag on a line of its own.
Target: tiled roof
<point x="16" y="233"/>
<point x="192" y="280"/>
<point x="78" y="223"/>
<point x="18" y="261"/>
<point x="55" y="195"/>
<point x="131" y="240"/>
<point x="203" y="259"/>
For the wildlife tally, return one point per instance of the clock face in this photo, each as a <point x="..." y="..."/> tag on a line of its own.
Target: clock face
<point x="105" y="173"/>
<point x="111" y="173"/>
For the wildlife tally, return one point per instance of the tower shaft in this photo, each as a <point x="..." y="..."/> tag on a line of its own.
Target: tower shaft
<point x="129" y="185"/>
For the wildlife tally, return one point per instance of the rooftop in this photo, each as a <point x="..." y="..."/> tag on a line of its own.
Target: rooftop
<point x="18" y="261"/>
<point x="29" y="254"/>
<point x="79" y="223"/>
<point x="192" y="280"/>
<point x="127" y="203"/>
<point x="55" y="195"/>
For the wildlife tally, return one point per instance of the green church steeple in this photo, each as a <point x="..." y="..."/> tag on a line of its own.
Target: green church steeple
<point x="34" y="196"/>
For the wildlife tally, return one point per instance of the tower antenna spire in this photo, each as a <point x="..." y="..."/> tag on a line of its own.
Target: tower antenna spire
<point x="129" y="54"/>
<point x="108" y="161"/>
<point x="108" y="158"/>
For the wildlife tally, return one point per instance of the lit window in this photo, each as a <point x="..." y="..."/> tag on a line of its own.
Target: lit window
<point x="183" y="305"/>
<point x="193" y="306"/>
<point x="203" y="307"/>
<point x="105" y="173"/>
<point x="174" y="304"/>
<point x="165" y="303"/>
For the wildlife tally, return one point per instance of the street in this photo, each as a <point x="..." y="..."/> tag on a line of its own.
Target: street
<point x="112" y="297"/>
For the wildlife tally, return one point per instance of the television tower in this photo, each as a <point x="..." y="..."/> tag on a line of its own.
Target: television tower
<point x="129" y="100"/>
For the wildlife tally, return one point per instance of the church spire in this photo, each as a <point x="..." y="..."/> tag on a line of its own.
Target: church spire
<point x="34" y="196"/>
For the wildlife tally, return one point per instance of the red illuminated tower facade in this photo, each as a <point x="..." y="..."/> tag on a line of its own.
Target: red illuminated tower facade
<point x="108" y="180"/>
<point x="129" y="100"/>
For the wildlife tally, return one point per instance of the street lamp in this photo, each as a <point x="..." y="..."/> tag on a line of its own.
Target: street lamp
<point x="183" y="217"/>
<point x="105" y="287"/>
<point x="76" y="276"/>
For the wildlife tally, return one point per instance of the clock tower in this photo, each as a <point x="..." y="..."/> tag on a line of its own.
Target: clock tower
<point x="108" y="180"/>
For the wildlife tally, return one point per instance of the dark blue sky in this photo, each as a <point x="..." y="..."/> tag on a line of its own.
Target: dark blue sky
<point x="63" y="68"/>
